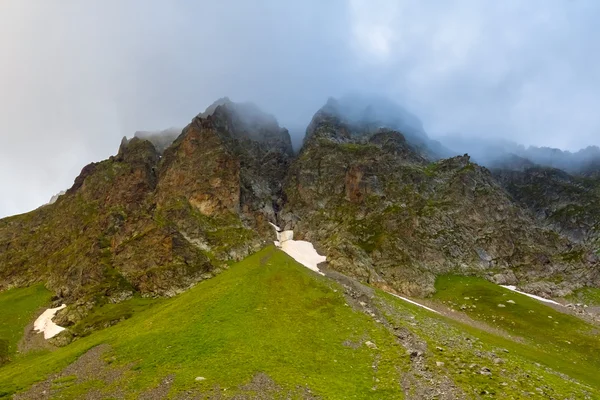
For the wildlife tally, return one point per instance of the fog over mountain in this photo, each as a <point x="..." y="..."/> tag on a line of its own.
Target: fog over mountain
<point x="78" y="76"/>
<point x="494" y="152"/>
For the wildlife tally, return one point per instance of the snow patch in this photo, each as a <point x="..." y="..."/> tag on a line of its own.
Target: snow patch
<point x="414" y="302"/>
<point x="304" y="252"/>
<point x="300" y="250"/>
<point x="533" y="296"/>
<point x="284" y="236"/>
<point x="277" y="229"/>
<point x="44" y="323"/>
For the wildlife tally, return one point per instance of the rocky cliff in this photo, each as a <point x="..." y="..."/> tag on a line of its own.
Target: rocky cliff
<point x="144" y="223"/>
<point x="380" y="204"/>
<point x="383" y="212"/>
<point x="568" y="204"/>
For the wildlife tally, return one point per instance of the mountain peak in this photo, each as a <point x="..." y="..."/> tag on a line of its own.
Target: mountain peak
<point x="246" y="121"/>
<point x="363" y="191"/>
<point x="357" y="116"/>
<point x="160" y="139"/>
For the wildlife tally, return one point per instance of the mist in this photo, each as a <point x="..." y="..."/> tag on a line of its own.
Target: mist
<point x="77" y="76"/>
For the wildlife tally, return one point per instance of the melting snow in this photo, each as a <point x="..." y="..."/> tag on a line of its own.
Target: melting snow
<point x="302" y="251"/>
<point x="277" y="229"/>
<point x="44" y="323"/>
<point x="533" y="296"/>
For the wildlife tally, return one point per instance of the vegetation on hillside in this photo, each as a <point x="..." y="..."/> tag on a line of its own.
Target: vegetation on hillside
<point x="562" y="341"/>
<point x="268" y="326"/>
<point x="17" y="309"/>
<point x="266" y="314"/>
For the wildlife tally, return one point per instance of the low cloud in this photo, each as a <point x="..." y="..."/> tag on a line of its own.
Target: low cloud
<point x="77" y="76"/>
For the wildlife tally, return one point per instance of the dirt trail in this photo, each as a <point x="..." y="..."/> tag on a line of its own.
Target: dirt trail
<point x="420" y="382"/>
<point x="90" y="366"/>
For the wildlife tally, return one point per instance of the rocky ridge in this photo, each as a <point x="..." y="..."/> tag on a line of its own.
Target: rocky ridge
<point x="384" y="212"/>
<point x="159" y="216"/>
<point x="568" y="204"/>
<point x="142" y="223"/>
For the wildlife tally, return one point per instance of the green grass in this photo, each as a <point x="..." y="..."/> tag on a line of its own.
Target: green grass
<point x="587" y="296"/>
<point x="112" y="313"/>
<point x="17" y="310"/>
<point x="265" y="314"/>
<point x="558" y="340"/>
<point x="525" y="369"/>
<point x="431" y="169"/>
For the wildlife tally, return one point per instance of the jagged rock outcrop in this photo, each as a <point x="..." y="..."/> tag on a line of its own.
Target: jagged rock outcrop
<point x="230" y="159"/>
<point x="100" y="237"/>
<point x="142" y="223"/>
<point x="368" y="114"/>
<point x="384" y="213"/>
<point x="155" y="221"/>
<point x="566" y="203"/>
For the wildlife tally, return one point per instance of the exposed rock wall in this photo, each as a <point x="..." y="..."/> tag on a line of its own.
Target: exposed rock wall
<point x="156" y="222"/>
<point x="139" y="222"/>
<point x="386" y="214"/>
<point x="568" y="204"/>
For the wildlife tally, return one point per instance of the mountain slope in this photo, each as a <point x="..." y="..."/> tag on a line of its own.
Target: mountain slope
<point x="270" y="328"/>
<point x="151" y="224"/>
<point x="385" y="214"/>
<point x="156" y="222"/>
<point x="18" y="306"/>
<point x="265" y="315"/>
<point x="166" y="214"/>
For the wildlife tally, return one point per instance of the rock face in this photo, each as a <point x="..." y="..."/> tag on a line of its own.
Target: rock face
<point x="383" y="212"/>
<point x="139" y="222"/>
<point x="230" y="159"/>
<point x="568" y="204"/>
<point x="367" y="188"/>
<point x="362" y="115"/>
<point x="93" y="238"/>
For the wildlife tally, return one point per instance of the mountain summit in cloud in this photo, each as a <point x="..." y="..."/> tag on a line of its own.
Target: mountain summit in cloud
<point x="76" y="78"/>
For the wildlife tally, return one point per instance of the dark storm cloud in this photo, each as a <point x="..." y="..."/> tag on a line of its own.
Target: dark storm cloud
<point x="76" y="76"/>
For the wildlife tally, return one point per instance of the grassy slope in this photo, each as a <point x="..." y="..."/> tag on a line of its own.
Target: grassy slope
<point x="266" y="314"/>
<point x="17" y="309"/>
<point x="559" y="341"/>
<point x="524" y="373"/>
<point x="112" y="313"/>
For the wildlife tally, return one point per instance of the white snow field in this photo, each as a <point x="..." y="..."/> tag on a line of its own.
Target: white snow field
<point x="44" y="323"/>
<point x="303" y="252"/>
<point x="533" y="296"/>
<point x="300" y="250"/>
